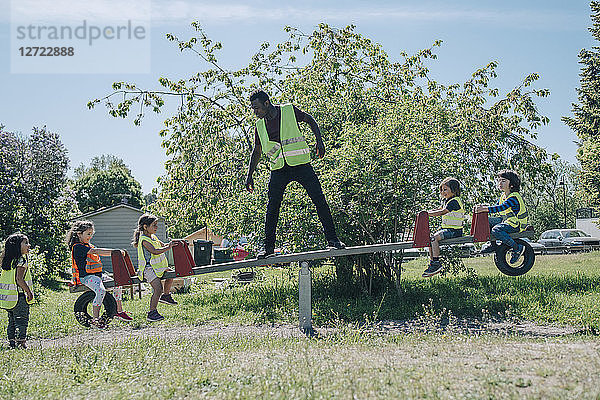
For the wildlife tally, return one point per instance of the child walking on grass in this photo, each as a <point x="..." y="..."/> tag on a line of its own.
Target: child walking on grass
<point x="87" y="269"/>
<point x="16" y="288"/>
<point x="511" y="214"/>
<point x="153" y="263"/>
<point x="453" y="214"/>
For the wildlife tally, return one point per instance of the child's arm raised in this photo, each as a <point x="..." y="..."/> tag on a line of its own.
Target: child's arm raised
<point x="20" y="279"/>
<point x="148" y="246"/>
<point x="103" y="252"/>
<point x="438" y="212"/>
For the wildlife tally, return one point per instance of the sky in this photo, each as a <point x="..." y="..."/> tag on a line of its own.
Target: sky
<point x="522" y="36"/>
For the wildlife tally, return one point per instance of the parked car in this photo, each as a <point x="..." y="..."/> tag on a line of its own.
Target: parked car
<point x="537" y="247"/>
<point x="572" y="239"/>
<point x="468" y="249"/>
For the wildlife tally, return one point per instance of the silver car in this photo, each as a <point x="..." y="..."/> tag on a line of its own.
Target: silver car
<point x="571" y="239"/>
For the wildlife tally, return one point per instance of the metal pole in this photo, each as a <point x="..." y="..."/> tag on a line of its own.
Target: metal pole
<point x="564" y="185"/>
<point x="304" y="299"/>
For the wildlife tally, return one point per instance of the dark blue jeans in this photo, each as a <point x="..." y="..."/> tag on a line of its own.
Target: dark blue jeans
<point x="305" y="175"/>
<point x="501" y="231"/>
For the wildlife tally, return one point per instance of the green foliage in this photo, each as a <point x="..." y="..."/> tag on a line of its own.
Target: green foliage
<point x="104" y="184"/>
<point x="392" y="134"/>
<point x="35" y="199"/>
<point x="586" y="120"/>
<point x="553" y="196"/>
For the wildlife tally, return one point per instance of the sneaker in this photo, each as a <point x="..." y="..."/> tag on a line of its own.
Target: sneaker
<point x="516" y="254"/>
<point x="154" y="316"/>
<point x="97" y="323"/>
<point x="335" y="244"/>
<point x="434" y="268"/>
<point x="266" y="252"/>
<point x="21" y="344"/>
<point x="12" y="344"/>
<point x="167" y="299"/>
<point x="123" y="316"/>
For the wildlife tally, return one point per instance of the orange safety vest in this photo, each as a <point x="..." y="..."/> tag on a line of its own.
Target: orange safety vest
<point x="92" y="263"/>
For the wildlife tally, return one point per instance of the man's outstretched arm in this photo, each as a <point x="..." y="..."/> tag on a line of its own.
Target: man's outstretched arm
<point x="314" y="127"/>
<point x="254" y="159"/>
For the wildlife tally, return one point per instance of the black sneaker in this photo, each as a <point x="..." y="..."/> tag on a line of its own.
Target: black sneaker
<point x="434" y="268"/>
<point x="167" y="299"/>
<point x="517" y="253"/>
<point x="266" y="252"/>
<point x="154" y="316"/>
<point x="12" y="344"/>
<point x="335" y="244"/>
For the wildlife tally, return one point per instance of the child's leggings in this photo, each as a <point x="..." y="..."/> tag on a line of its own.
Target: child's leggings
<point x="95" y="283"/>
<point x="118" y="293"/>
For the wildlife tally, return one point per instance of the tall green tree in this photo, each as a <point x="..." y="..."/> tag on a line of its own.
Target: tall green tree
<point x="391" y="132"/>
<point x="586" y="115"/>
<point x="35" y="198"/>
<point x="105" y="183"/>
<point x="554" y="198"/>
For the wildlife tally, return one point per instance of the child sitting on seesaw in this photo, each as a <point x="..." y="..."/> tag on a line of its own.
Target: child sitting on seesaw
<point x="511" y="214"/>
<point x="453" y="214"/>
<point x="87" y="269"/>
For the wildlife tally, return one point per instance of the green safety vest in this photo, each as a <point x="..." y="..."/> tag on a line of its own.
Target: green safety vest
<point x="158" y="262"/>
<point x="454" y="219"/>
<point x="293" y="148"/>
<point x="508" y="216"/>
<point x="9" y="292"/>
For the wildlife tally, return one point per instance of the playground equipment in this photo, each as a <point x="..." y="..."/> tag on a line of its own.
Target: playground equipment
<point x="124" y="273"/>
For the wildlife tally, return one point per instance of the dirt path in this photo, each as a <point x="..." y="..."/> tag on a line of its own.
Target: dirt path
<point x="121" y="333"/>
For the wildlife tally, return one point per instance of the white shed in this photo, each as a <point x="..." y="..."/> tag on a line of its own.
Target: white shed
<point x="114" y="228"/>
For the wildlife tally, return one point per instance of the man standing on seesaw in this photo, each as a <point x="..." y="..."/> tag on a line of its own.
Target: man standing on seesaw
<point x="278" y="136"/>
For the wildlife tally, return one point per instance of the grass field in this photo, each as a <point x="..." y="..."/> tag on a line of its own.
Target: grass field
<point x="203" y="349"/>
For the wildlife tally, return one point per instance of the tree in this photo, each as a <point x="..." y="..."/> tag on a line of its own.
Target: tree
<point x="100" y="163"/>
<point x="554" y="196"/>
<point x="35" y="197"/>
<point x="392" y="134"/>
<point x="586" y="115"/>
<point x="150" y="198"/>
<point x="105" y="183"/>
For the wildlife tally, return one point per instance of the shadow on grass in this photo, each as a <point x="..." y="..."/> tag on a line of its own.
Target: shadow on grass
<point x="507" y="298"/>
<point x="478" y="297"/>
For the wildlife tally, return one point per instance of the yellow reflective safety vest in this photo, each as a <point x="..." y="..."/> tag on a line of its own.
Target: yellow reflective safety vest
<point x="9" y="290"/>
<point x="454" y="219"/>
<point x="292" y="149"/>
<point x="508" y="216"/>
<point x="158" y="262"/>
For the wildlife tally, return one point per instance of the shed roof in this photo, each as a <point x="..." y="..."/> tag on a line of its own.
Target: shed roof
<point x="107" y="209"/>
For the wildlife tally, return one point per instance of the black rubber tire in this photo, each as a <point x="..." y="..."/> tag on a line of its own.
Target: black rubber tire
<point x="522" y="266"/>
<point x="82" y="314"/>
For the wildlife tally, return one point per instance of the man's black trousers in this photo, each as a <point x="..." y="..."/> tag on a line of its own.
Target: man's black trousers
<point x="305" y="175"/>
